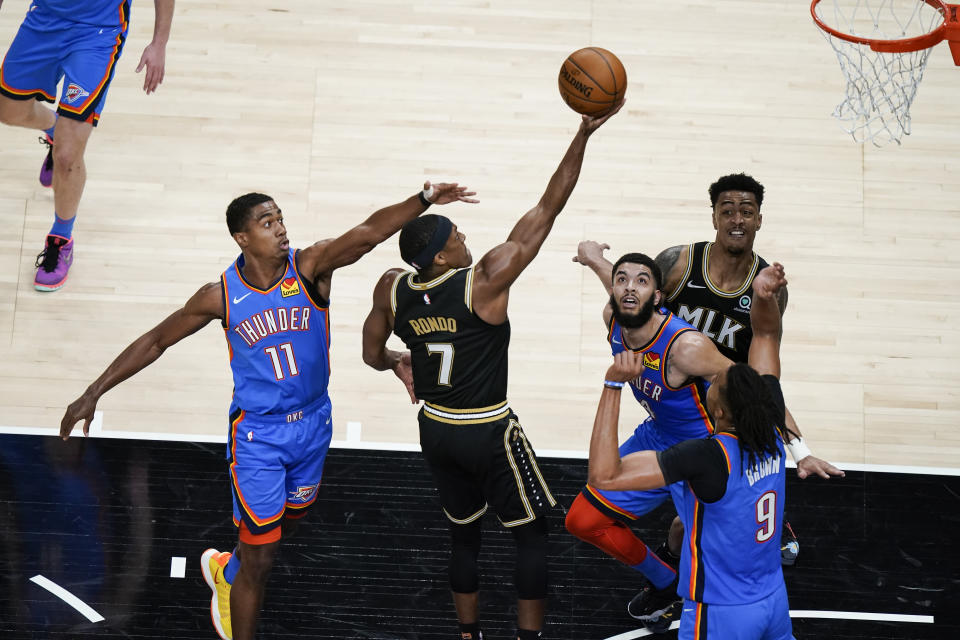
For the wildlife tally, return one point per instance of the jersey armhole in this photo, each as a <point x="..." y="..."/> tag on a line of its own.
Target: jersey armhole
<point x="686" y="274"/>
<point x="666" y="355"/>
<point x="393" y="291"/>
<point x="309" y="287"/>
<point x="225" y="321"/>
<point x="468" y="290"/>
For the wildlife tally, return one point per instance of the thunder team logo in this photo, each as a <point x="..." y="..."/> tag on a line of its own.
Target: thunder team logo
<point x="289" y="287"/>
<point x="304" y="493"/>
<point x="74" y="93"/>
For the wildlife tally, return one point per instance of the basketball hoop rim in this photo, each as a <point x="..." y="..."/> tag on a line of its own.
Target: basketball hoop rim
<point x="903" y="45"/>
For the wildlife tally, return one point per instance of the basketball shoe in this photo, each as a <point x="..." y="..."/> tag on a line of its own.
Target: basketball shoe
<point x="53" y="263"/>
<point x="640" y="604"/>
<point x="789" y="547"/>
<point x="212" y="563"/>
<point x="660" y="607"/>
<point x="46" y="169"/>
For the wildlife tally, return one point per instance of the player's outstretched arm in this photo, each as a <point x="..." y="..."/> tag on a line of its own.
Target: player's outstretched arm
<point x="590" y="254"/>
<point x="764" y="354"/>
<point x="320" y="260"/>
<point x="205" y="305"/>
<point x="154" y="57"/>
<point x="376" y="331"/>
<point x="503" y="264"/>
<point x="606" y="470"/>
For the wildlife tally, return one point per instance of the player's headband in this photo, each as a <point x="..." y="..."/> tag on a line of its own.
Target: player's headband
<point x="425" y="258"/>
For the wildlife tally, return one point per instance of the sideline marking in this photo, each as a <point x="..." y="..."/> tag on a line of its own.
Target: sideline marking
<point x="67" y="597"/>
<point x="178" y="567"/>
<point x="353" y="431"/>
<point x="352" y="442"/>
<point x="804" y="613"/>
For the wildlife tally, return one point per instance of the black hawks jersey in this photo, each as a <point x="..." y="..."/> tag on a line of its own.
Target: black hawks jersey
<point x="723" y="316"/>
<point x="459" y="361"/>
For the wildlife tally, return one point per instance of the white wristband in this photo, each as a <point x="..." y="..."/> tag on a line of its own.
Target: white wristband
<point x="798" y="449"/>
<point x="428" y="193"/>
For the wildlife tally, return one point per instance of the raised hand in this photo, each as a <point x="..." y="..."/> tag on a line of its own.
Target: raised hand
<point x="446" y="192"/>
<point x="592" y="123"/>
<point x="590" y="252"/>
<point x="769" y="281"/>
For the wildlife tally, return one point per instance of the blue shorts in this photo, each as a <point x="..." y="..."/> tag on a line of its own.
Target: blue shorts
<point x="48" y="48"/>
<point x="275" y="467"/>
<point x="627" y="506"/>
<point x="766" y="619"/>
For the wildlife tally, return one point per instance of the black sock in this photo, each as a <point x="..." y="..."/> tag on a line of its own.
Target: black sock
<point x="471" y="631"/>
<point x="527" y="634"/>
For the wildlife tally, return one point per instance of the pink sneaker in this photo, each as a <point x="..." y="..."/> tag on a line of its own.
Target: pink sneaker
<point x="53" y="263"/>
<point x="46" y="169"/>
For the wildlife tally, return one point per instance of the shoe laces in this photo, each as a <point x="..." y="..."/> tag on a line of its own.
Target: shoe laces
<point x="48" y="162"/>
<point x="50" y="256"/>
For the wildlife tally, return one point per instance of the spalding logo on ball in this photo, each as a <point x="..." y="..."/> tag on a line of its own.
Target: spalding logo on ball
<point x="592" y="80"/>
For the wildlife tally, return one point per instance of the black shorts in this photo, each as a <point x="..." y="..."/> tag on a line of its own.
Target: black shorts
<point x="481" y="464"/>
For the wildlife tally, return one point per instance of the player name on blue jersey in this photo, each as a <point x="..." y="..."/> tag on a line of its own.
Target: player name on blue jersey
<point x="271" y="321"/>
<point x="763" y="469"/>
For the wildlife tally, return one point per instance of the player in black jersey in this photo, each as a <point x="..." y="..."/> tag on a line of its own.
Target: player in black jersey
<point x="453" y="320"/>
<point x="710" y="285"/>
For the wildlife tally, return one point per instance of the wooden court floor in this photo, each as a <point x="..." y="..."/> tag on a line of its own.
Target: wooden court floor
<point x="338" y="108"/>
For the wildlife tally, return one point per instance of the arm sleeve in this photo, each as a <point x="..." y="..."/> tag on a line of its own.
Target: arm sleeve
<point x="776" y="394"/>
<point x="701" y="463"/>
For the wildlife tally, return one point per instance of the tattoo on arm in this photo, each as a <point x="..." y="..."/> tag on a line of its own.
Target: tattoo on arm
<point x="666" y="260"/>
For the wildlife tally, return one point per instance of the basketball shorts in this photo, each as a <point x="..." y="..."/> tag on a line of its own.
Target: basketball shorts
<point x="766" y="619"/>
<point x="276" y="462"/>
<point x="627" y="506"/>
<point x="48" y="48"/>
<point x="476" y="465"/>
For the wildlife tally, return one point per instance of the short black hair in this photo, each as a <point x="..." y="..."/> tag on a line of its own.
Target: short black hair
<point x="640" y="258"/>
<point x="416" y="235"/>
<point x="238" y="211"/>
<point x="736" y="182"/>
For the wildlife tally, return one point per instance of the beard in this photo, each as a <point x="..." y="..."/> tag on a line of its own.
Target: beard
<point x="639" y="319"/>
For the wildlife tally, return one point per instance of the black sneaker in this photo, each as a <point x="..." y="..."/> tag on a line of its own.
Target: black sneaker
<point x="656" y="608"/>
<point x="639" y="602"/>
<point x="789" y="547"/>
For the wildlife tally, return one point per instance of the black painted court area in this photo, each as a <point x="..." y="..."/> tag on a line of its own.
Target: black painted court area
<point x="103" y="518"/>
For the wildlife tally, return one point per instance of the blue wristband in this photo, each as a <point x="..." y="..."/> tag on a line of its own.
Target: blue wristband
<point x="611" y="384"/>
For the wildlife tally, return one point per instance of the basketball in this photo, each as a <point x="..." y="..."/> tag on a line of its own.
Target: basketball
<point x="592" y="80"/>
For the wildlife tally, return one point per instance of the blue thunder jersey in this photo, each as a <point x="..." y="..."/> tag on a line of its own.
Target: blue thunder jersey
<point x="99" y="13"/>
<point x="731" y="547"/>
<point x="279" y="341"/>
<point x="676" y="413"/>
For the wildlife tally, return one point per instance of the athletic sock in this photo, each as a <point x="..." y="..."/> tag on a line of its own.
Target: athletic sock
<point x="61" y="227"/>
<point x="49" y="131"/>
<point x="657" y="571"/>
<point x="471" y="631"/>
<point x="230" y="571"/>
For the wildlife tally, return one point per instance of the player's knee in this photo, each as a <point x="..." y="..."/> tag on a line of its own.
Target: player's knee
<point x="584" y="520"/>
<point x="464" y="550"/>
<point x="67" y="154"/>
<point x="13" y="112"/>
<point x="530" y="577"/>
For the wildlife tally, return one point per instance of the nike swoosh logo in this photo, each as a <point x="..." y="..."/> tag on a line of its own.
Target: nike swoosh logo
<point x="615" y="341"/>
<point x="695" y="286"/>
<point x="237" y="300"/>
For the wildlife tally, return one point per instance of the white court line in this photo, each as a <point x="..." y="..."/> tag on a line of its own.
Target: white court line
<point x="97" y="431"/>
<point x="802" y="613"/>
<point x="860" y="615"/>
<point x="178" y="567"/>
<point x="354" y="431"/>
<point x="67" y="597"/>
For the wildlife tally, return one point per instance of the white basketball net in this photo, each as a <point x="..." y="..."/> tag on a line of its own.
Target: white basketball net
<point x="880" y="86"/>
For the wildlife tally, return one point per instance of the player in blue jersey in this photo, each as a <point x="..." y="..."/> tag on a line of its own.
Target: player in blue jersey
<point x="273" y="305"/>
<point x="79" y="43"/>
<point x="729" y="487"/>
<point x="678" y="360"/>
